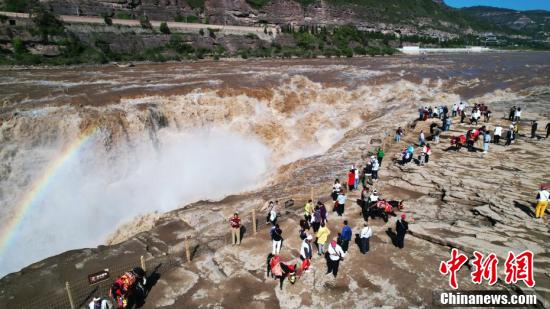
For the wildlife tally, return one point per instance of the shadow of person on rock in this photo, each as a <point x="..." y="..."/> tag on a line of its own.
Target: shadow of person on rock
<point x="525" y="208"/>
<point x="242" y="232"/>
<point x="392" y="235"/>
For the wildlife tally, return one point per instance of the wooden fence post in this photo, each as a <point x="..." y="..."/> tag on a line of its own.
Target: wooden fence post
<point x="71" y="301"/>
<point x="142" y="261"/>
<point x="187" y="249"/>
<point x="254" y="221"/>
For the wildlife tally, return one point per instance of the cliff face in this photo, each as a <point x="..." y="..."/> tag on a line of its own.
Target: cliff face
<point x="419" y="17"/>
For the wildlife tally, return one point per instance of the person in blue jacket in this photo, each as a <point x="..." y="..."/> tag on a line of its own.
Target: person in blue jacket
<point x="346" y="236"/>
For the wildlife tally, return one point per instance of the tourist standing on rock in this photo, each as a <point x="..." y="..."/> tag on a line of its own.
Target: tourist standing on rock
<point x="401" y="228"/>
<point x="547" y="130"/>
<point x="512" y="113"/>
<point x="470" y="140"/>
<point x="496" y="134"/>
<point x="364" y="237"/>
<point x="486" y="141"/>
<point x="428" y="152"/>
<point x="375" y="168"/>
<point x="435" y="137"/>
<point x="303" y="228"/>
<point x="306" y="252"/>
<point x="235" y="223"/>
<point x="308" y="210"/>
<point x="335" y="255"/>
<point x="272" y="216"/>
<point x="323" y="211"/>
<point x="316" y="223"/>
<point x="367" y="173"/>
<point x="453" y="110"/>
<point x="356" y="172"/>
<point x="277" y="239"/>
<point x="432" y="127"/>
<point x="340" y="203"/>
<point x="335" y="189"/>
<point x="351" y="179"/>
<point x="509" y="136"/>
<point x="365" y="204"/>
<point x="462" y="116"/>
<point x="380" y="155"/>
<point x="421" y="138"/>
<point x="346" y="236"/>
<point x="534" y="126"/>
<point x="322" y="236"/>
<point x="542" y="202"/>
<point x="448" y="123"/>
<point x="422" y="157"/>
<point x="517" y="114"/>
<point x="398" y="134"/>
<point x="516" y="130"/>
<point x="487" y="115"/>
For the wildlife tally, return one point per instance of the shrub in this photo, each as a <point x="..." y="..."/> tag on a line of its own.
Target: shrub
<point x="123" y="15"/>
<point x="176" y="43"/>
<point x="257" y="4"/>
<point x="46" y="22"/>
<point x="145" y="23"/>
<point x="18" y="46"/>
<point x="20" y="6"/>
<point x="360" y="50"/>
<point x="164" y="28"/>
<point x="195" y="4"/>
<point x="108" y="20"/>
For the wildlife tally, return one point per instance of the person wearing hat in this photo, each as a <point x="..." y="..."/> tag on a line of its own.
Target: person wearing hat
<point x="335" y="255"/>
<point x="99" y="303"/>
<point x="401" y="227"/>
<point x="542" y="202"/>
<point x="305" y="251"/>
<point x="235" y="223"/>
<point x="364" y="236"/>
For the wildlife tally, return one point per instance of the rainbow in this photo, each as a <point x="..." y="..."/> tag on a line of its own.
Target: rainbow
<point x="39" y="186"/>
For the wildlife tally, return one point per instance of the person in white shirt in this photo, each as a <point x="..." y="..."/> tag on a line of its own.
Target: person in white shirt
<point x="375" y="168"/>
<point x="356" y="185"/>
<point x="454" y="109"/>
<point x="497" y="133"/>
<point x="542" y="202"/>
<point x="517" y="114"/>
<point x="306" y="252"/>
<point x="421" y="138"/>
<point x="335" y="255"/>
<point x="364" y="237"/>
<point x="335" y="189"/>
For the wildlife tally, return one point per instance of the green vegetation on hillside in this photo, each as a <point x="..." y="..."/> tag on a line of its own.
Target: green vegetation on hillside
<point x="20" y="6"/>
<point x="196" y="4"/>
<point x="257" y="4"/>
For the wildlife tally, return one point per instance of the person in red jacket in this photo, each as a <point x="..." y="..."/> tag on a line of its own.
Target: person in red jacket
<point x="351" y="180"/>
<point x="235" y="223"/>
